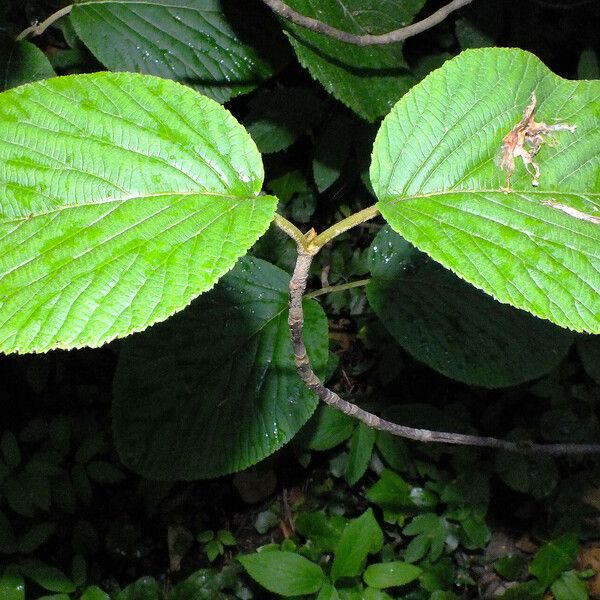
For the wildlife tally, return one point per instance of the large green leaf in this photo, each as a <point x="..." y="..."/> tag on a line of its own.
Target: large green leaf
<point x="122" y="197"/>
<point x="452" y="326"/>
<point x="284" y="573"/>
<point x="433" y="171"/>
<point x="202" y="43"/>
<point x="368" y="79"/>
<point x="214" y="389"/>
<point x="21" y="62"/>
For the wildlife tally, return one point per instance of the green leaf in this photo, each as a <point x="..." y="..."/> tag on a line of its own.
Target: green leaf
<point x="452" y="326"/>
<point x="200" y="44"/>
<point x="361" y="536"/>
<point x="475" y="532"/>
<point x="104" y="472"/>
<point x="470" y="36"/>
<point x="332" y="148"/>
<point x="284" y="573"/>
<point x="82" y="484"/>
<point x="204" y="584"/>
<point x="510" y="566"/>
<point x="443" y="595"/>
<point x="38" y="488"/>
<point x="94" y="593"/>
<point x="328" y="592"/>
<point x="384" y="575"/>
<point x="588" y="66"/>
<point x="146" y="588"/>
<point x="326" y="429"/>
<point x="79" y="570"/>
<point x="265" y="521"/>
<point x="226" y="360"/>
<point x="277" y="118"/>
<point x="532" y="474"/>
<point x="10" y="450"/>
<point x="361" y="448"/>
<point x="441" y="575"/>
<point x="12" y="586"/>
<point x="90" y="447"/>
<point x="391" y="492"/>
<point x="35" y="537"/>
<point x="47" y="577"/>
<point x="438" y="186"/>
<point x="569" y="587"/>
<point x="373" y="594"/>
<point x="226" y="537"/>
<point x="8" y="540"/>
<point x="553" y="558"/>
<point x="589" y="351"/>
<point x="18" y="497"/>
<point x="213" y="549"/>
<point x="64" y="495"/>
<point x="430" y="531"/>
<point x="393" y="450"/>
<point x="323" y="532"/>
<point x="368" y="79"/>
<point x="124" y="197"/>
<point x="530" y="590"/>
<point x="21" y="62"/>
<point x="563" y="425"/>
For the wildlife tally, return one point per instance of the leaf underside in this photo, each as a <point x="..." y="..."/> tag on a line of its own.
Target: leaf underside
<point x="214" y="389"/>
<point x="433" y="171"/>
<point x="122" y="197"/>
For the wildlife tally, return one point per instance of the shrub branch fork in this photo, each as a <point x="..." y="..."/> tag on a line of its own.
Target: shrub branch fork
<point x="308" y="246"/>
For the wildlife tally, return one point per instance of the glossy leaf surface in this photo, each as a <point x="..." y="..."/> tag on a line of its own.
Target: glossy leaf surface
<point x="197" y="43"/>
<point x="214" y="389"/>
<point x="452" y="326"/>
<point x="20" y="63"/>
<point x="368" y="79"/>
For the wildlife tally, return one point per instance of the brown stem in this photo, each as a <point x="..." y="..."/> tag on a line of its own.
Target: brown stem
<point x="398" y="35"/>
<point x="41" y="27"/>
<point x="296" y="321"/>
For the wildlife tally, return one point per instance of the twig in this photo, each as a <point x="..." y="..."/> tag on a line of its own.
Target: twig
<point x="291" y="230"/>
<point x="336" y="229"/>
<point x="398" y="35"/>
<point x="296" y="321"/>
<point x="41" y="27"/>
<point x="330" y="289"/>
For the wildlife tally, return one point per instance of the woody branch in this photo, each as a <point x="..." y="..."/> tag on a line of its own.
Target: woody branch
<point x="398" y="35"/>
<point x="308" y="376"/>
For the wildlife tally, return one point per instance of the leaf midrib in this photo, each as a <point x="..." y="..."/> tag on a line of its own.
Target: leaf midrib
<point x="512" y="208"/>
<point x="145" y="3"/>
<point x="103" y="201"/>
<point x="512" y="191"/>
